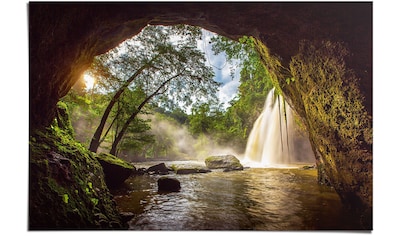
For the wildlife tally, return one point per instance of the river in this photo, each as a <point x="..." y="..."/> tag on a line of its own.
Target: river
<point x="252" y="199"/>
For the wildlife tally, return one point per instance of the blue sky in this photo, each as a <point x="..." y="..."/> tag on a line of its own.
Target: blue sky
<point x="221" y="68"/>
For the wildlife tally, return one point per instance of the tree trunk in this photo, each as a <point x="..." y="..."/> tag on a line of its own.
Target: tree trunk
<point x="95" y="141"/>
<point x="131" y="118"/>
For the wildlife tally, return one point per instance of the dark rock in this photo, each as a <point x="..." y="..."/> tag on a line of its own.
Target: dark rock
<point x="184" y="171"/>
<point x="166" y="184"/>
<point x="233" y="168"/>
<point x="308" y="167"/>
<point x="141" y="171"/>
<point x="126" y="216"/>
<point x="229" y="162"/>
<point x="159" y="169"/>
<point x="116" y="170"/>
<point x="203" y="171"/>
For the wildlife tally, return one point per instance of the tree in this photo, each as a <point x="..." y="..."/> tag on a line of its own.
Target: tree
<point x="162" y="61"/>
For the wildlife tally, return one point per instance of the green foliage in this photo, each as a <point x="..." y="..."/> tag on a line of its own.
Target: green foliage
<point x="65" y="198"/>
<point x="232" y="127"/>
<point x="85" y="110"/>
<point x="94" y="201"/>
<point x="165" y="52"/>
<point x="155" y="66"/>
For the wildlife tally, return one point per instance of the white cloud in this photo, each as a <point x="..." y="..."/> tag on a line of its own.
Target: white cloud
<point x="221" y="68"/>
<point x="228" y="91"/>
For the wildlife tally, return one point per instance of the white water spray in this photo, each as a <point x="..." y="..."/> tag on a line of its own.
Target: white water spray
<point x="271" y="141"/>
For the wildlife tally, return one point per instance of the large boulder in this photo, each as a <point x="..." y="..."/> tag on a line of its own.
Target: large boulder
<point x="116" y="170"/>
<point x="166" y="184"/>
<point x="227" y="162"/>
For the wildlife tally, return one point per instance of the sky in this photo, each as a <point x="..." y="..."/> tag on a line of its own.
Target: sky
<point x="221" y="68"/>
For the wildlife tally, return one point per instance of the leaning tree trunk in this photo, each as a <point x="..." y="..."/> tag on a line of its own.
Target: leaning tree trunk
<point x="96" y="139"/>
<point x="133" y="116"/>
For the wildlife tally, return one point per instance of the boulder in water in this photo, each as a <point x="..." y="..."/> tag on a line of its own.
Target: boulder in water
<point x="159" y="169"/>
<point x="227" y="162"/>
<point x="166" y="184"/>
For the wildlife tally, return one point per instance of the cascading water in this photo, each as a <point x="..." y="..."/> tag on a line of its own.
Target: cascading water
<point x="271" y="141"/>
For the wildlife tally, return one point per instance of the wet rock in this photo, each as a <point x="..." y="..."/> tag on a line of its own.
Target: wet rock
<point x="233" y="168"/>
<point x="116" y="170"/>
<point x="159" y="169"/>
<point x="141" y="171"/>
<point x="166" y="184"/>
<point x="227" y="162"/>
<point x="184" y="171"/>
<point x="307" y="167"/>
<point x="126" y="216"/>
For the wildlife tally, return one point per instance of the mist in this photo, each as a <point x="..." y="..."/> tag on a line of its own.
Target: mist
<point x="183" y="145"/>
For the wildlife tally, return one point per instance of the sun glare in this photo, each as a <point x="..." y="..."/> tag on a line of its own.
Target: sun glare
<point x="89" y="81"/>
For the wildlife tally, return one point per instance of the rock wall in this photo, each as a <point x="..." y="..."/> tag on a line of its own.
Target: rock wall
<point x="291" y="37"/>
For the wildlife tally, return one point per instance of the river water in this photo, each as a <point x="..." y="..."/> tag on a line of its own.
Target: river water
<point x="255" y="198"/>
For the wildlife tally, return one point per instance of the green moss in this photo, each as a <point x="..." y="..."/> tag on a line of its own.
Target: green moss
<point x="339" y="125"/>
<point x="60" y="171"/>
<point x="114" y="160"/>
<point x="278" y="73"/>
<point x="62" y="119"/>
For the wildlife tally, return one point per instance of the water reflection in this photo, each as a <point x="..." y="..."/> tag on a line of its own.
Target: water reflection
<point x="259" y="199"/>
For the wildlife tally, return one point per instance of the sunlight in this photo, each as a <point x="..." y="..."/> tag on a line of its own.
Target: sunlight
<point x="89" y="81"/>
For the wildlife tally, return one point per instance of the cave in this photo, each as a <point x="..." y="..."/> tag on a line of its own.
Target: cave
<point x="65" y="37"/>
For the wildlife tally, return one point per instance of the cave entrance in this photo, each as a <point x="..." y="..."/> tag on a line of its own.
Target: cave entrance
<point x="184" y="93"/>
<point x="65" y="38"/>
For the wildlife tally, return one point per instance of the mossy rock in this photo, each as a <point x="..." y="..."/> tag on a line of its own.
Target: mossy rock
<point x="67" y="189"/>
<point x="228" y="162"/>
<point x="115" y="169"/>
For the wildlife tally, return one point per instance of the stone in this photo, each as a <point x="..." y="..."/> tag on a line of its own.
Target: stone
<point x="166" y="184"/>
<point x="184" y="171"/>
<point x="227" y="162"/>
<point x="228" y="169"/>
<point x="116" y="170"/>
<point x="126" y="216"/>
<point x="159" y="169"/>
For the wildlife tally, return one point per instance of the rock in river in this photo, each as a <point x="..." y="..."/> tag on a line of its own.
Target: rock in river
<point x="227" y="162"/>
<point x="166" y="184"/>
<point x="160" y="169"/>
<point x="184" y="171"/>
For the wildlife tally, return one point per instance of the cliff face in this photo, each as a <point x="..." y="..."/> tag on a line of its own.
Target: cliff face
<point x="319" y="54"/>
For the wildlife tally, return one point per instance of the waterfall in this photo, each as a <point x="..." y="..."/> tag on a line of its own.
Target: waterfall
<point x="271" y="141"/>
